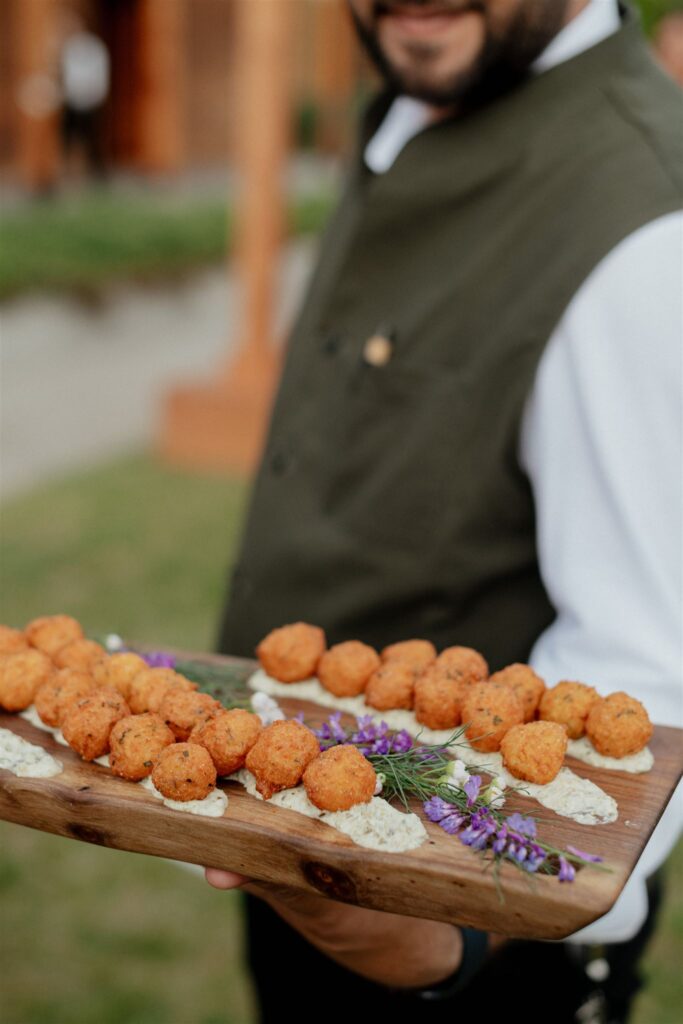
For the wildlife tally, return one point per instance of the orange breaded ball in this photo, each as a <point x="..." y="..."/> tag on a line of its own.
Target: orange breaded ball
<point x="345" y="669"/>
<point x="52" y="632"/>
<point x="339" y="779"/>
<point x="12" y="640"/>
<point x="534" y="751"/>
<point x="489" y="710"/>
<point x="149" y="687"/>
<point x="568" y="704"/>
<point x="184" y="772"/>
<point x="119" y="670"/>
<point x="135" y="742"/>
<point x="82" y="654"/>
<point x="391" y="686"/>
<point x="182" y="710"/>
<point x="464" y="663"/>
<point x="228" y="738"/>
<point x="21" y="675"/>
<point x="618" y="725"/>
<point x="281" y="755"/>
<point x="527" y="685"/>
<point x="62" y="689"/>
<point x="87" y="723"/>
<point x="437" y="699"/>
<point x="419" y="653"/>
<point x="291" y="653"/>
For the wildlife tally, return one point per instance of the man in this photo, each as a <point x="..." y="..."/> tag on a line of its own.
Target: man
<point x="477" y="441"/>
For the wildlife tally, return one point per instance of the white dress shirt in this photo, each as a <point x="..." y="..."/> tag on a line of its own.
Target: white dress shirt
<point x="602" y="444"/>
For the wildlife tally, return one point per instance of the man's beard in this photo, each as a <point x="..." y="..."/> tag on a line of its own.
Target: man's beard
<point x="504" y="60"/>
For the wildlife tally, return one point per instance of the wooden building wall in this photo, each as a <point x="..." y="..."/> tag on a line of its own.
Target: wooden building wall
<point x="172" y="102"/>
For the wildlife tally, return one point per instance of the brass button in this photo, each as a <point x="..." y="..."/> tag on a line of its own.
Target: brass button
<point x="378" y="350"/>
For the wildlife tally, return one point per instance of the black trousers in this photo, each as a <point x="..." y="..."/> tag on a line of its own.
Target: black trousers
<point x="542" y="982"/>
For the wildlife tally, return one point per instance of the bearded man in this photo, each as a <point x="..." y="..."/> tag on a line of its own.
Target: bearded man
<point x="477" y="441"/>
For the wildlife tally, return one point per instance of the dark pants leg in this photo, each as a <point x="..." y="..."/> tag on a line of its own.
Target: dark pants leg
<point x="547" y="983"/>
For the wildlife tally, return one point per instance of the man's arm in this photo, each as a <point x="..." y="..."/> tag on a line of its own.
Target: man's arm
<point x="397" y="951"/>
<point x="601" y="441"/>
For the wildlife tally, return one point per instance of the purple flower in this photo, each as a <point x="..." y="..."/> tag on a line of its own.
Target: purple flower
<point x="435" y="808"/>
<point x="159" y="659"/>
<point x="525" y="826"/>
<point x="337" y="731"/>
<point x="452" y="823"/>
<point x="592" y="858"/>
<point x="498" y="844"/>
<point x="402" y="742"/>
<point x="567" y="872"/>
<point x="472" y="787"/>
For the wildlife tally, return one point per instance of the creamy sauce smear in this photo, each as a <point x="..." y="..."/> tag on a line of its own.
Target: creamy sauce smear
<point x="583" y="750"/>
<point x="376" y="825"/>
<point x="568" y="794"/>
<point x="26" y="759"/>
<point x="212" y="806"/>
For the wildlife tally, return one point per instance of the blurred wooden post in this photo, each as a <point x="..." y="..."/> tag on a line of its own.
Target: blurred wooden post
<point x="35" y="25"/>
<point x="334" y="57"/>
<point x="220" y="424"/>
<point x="160" y="107"/>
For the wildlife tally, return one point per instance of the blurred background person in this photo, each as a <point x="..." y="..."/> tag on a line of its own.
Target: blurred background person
<point x="84" y="73"/>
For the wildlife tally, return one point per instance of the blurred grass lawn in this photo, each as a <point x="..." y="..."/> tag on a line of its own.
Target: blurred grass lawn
<point x="94" y="936"/>
<point x="84" y="243"/>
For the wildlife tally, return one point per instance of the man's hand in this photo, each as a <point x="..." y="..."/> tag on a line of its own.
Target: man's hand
<point x="397" y="951"/>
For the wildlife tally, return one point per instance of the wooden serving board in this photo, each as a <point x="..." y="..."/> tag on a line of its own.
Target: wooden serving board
<point x="442" y="879"/>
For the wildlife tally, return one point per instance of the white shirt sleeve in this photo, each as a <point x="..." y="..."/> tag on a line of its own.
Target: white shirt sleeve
<point x="602" y="443"/>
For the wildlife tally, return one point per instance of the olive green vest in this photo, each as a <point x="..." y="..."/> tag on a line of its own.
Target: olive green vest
<point x="390" y="502"/>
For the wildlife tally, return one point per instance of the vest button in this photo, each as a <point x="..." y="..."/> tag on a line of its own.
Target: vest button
<point x="331" y="344"/>
<point x="378" y="350"/>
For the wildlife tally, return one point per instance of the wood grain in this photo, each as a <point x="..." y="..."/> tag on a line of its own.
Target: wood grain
<point x="442" y="879"/>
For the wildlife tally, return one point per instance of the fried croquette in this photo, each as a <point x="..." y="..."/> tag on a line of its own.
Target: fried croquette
<point x="345" y="668"/>
<point x="391" y="686"/>
<point x="568" y="703"/>
<point x="184" y="771"/>
<point x="291" y="653"/>
<point x="149" y="686"/>
<point x="527" y="685"/>
<point x="228" y="737"/>
<point x="438" y="698"/>
<point x="463" y="663"/>
<point x="182" y="710"/>
<point x="618" y="725"/>
<point x="87" y="723"/>
<point x="489" y="710"/>
<point x="280" y="756"/>
<point x="419" y="653"/>
<point x="135" y="742"/>
<point x="82" y="654"/>
<point x="62" y="689"/>
<point x="534" y="751"/>
<point x="21" y="675"/>
<point x="12" y="640"/>
<point x="119" y="670"/>
<point x="51" y="632"/>
<point x="339" y="779"/>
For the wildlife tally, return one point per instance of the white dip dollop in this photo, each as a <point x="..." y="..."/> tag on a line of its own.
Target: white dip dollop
<point x="568" y="794"/>
<point x="212" y="806"/>
<point x="376" y="824"/>
<point x="635" y="764"/>
<point x="32" y="716"/>
<point x="26" y="759"/>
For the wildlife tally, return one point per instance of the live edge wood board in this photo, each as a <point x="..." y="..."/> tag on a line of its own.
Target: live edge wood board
<point x="442" y="879"/>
